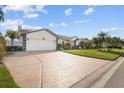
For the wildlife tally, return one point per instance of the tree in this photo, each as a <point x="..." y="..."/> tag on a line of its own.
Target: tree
<point x="12" y="35"/>
<point x="103" y="35"/>
<point x="1" y="15"/>
<point x="115" y="42"/>
<point x="97" y="42"/>
<point x="109" y="42"/>
<point x="86" y="44"/>
<point x="2" y="40"/>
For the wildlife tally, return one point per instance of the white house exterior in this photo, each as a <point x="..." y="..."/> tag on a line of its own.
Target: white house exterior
<point x="42" y="39"/>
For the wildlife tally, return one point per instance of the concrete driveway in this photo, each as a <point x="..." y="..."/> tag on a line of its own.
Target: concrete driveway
<point x="50" y="69"/>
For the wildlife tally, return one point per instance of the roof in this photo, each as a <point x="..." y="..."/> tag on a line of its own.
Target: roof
<point x="64" y="37"/>
<point x="24" y="31"/>
<point x="49" y="31"/>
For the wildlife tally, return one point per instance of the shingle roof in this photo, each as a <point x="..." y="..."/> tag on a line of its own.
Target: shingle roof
<point x="64" y="37"/>
<point x="24" y="31"/>
<point x="49" y="31"/>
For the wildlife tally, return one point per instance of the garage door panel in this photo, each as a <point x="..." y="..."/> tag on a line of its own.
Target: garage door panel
<point x="40" y="45"/>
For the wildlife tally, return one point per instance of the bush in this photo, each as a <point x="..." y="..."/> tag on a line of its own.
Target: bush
<point x="59" y="47"/>
<point x="66" y="46"/>
<point x="2" y="48"/>
<point x="14" y="48"/>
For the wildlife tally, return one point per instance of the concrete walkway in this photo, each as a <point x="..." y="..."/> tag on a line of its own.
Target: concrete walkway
<point x="117" y="79"/>
<point x="51" y="69"/>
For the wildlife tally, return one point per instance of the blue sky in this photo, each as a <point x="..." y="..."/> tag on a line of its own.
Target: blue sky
<point x="77" y="20"/>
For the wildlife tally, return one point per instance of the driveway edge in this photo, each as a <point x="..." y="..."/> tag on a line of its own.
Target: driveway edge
<point x="89" y="80"/>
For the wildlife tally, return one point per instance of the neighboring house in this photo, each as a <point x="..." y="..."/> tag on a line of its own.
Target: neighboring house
<point x="73" y="41"/>
<point x="44" y="39"/>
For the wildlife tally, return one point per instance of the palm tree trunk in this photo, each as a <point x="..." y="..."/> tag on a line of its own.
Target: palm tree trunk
<point x="12" y="40"/>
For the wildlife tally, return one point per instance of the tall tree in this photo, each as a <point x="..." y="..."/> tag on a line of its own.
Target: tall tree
<point x="103" y="35"/>
<point x="12" y="35"/>
<point x="97" y="42"/>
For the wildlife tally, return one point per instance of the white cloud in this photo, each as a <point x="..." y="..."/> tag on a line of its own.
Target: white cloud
<point x="111" y="29"/>
<point x="89" y="11"/>
<point x="35" y="15"/>
<point x="28" y="10"/>
<point x="31" y="27"/>
<point x="68" y="12"/>
<point x="40" y="8"/>
<point x="63" y="24"/>
<point x="52" y="25"/>
<point x="11" y="24"/>
<point x="21" y="8"/>
<point x="81" y="21"/>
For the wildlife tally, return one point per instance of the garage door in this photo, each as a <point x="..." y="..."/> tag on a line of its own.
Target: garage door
<point x="34" y="44"/>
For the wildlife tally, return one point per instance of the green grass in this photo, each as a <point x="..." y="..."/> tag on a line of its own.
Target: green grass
<point x="114" y="50"/>
<point x="6" y="80"/>
<point x="118" y="50"/>
<point x="93" y="53"/>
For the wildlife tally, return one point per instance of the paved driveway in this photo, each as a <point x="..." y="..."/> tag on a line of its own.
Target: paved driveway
<point x="50" y="69"/>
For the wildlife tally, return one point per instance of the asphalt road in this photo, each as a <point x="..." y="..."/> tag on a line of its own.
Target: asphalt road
<point x="117" y="79"/>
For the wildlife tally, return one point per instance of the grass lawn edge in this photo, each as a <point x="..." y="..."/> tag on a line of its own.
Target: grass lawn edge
<point x="92" y="56"/>
<point x="5" y="72"/>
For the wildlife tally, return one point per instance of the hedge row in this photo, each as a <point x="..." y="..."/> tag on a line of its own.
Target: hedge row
<point x="14" y="48"/>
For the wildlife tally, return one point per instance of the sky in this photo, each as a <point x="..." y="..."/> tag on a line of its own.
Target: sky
<point x="84" y="21"/>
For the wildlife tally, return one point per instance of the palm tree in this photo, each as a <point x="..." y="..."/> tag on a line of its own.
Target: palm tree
<point x="96" y="42"/>
<point x="109" y="42"/>
<point x="12" y="35"/>
<point x="1" y="15"/>
<point x="103" y="36"/>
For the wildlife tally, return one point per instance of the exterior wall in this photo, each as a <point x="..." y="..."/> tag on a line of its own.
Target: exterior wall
<point x="60" y="41"/>
<point x="71" y="44"/>
<point x="41" y="40"/>
<point x="66" y="41"/>
<point x="78" y="42"/>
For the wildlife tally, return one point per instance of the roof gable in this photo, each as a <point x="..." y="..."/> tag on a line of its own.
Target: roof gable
<point x="47" y="30"/>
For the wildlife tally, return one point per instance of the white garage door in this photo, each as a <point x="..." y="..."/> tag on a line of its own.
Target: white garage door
<point x="34" y="44"/>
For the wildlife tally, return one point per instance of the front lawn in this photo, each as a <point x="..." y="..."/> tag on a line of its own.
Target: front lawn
<point x="93" y="53"/>
<point x="6" y="80"/>
<point x="118" y="50"/>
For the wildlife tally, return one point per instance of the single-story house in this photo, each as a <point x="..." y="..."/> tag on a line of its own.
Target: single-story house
<point x="44" y="39"/>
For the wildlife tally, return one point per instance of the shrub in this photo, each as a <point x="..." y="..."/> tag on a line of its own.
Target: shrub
<point x="2" y="48"/>
<point x="59" y="47"/>
<point x="66" y="46"/>
<point x="13" y="48"/>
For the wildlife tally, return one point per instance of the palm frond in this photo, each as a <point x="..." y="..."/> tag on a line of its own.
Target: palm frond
<point x="1" y="12"/>
<point x="1" y="18"/>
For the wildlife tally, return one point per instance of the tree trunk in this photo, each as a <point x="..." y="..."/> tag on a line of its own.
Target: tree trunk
<point x="12" y="40"/>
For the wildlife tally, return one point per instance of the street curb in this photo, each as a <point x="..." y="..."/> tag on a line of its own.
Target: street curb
<point x="89" y="80"/>
<point x="101" y="82"/>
